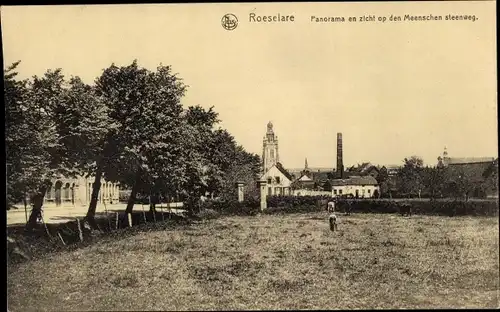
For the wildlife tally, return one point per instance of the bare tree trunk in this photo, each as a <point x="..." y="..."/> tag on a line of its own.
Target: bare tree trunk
<point x="133" y="193"/>
<point x="37" y="208"/>
<point x="95" y="195"/>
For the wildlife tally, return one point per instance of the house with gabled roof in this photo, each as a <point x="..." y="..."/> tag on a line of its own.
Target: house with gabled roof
<point x="304" y="182"/>
<point x="364" y="169"/>
<point x="279" y="180"/>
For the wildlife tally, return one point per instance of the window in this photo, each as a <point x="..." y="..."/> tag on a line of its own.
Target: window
<point x="340" y="192"/>
<point x="272" y="153"/>
<point x="269" y="180"/>
<point x="369" y="191"/>
<point x="335" y="192"/>
<point x="277" y="179"/>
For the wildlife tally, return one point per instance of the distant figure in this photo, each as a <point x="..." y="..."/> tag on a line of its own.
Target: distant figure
<point x="331" y="206"/>
<point x="333" y="222"/>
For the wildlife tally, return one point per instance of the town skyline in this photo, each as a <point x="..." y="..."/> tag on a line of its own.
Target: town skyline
<point x="388" y="97"/>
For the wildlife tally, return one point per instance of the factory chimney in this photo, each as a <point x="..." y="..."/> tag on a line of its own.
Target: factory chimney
<point x="340" y="163"/>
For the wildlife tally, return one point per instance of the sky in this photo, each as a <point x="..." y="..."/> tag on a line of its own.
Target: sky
<point x="393" y="89"/>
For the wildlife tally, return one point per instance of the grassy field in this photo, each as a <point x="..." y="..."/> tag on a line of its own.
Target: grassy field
<point x="274" y="262"/>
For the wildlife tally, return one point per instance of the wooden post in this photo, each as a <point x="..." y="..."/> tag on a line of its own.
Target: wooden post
<point x="107" y="216"/>
<point x="117" y="218"/>
<point x="45" y="224"/>
<point x="130" y="219"/>
<point x="144" y="214"/>
<point x="62" y="240"/>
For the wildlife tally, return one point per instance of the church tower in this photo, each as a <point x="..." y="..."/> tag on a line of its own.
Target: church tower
<point x="445" y="160"/>
<point x="270" y="155"/>
<point x="306" y="171"/>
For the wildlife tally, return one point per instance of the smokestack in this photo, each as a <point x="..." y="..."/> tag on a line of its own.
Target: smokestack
<point x="340" y="162"/>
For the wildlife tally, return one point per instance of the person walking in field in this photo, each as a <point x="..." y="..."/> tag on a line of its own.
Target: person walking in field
<point x="331" y="206"/>
<point x="332" y="219"/>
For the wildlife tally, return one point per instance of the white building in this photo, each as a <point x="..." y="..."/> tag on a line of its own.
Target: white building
<point x="78" y="191"/>
<point x="278" y="180"/>
<point x="357" y="186"/>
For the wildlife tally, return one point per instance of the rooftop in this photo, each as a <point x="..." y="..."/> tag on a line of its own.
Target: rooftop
<point x="468" y="160"/>
<point x="355" y="180"/>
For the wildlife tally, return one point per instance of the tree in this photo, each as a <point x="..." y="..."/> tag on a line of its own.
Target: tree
<point x="464" y="184"/>
<point x="81" y="121"/>
<point x="434" y="180"/>
<point x="145" y="148"/>
<point x="491" y="177"/>
<point x="382" y="180"/>
<point x="35" y="150"/>
<point x="245" y="168"/>
<point x="200" y="166"/>
<point x="17" y="131"/>
<point x="410" y="176"/>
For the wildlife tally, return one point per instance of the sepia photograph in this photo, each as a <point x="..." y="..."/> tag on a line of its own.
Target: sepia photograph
<point x="251" y="156"/>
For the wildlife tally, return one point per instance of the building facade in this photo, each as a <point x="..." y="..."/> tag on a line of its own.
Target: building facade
<point x="78" y="192"/>
<point x="355" y="186"/>
<point x="278" y="180"/>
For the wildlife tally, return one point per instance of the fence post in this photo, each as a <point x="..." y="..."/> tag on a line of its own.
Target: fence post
<point x="240" y="186"/>
<point x="263" y="194"/>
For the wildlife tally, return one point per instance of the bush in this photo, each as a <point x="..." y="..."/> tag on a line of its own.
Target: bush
<point x="303" y="204"/>
<point x="233" y="207"/>
<point x="277" y="201"/>
<point x="424" y="207"/>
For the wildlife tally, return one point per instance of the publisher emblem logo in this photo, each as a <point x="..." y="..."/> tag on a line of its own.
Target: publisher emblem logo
<point x="229" y="21"/>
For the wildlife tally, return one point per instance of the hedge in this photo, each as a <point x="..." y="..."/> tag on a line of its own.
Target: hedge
<point x="429" y="207"/>
<point x="304" y="204"/>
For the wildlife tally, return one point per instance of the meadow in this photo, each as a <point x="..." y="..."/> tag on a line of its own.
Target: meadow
<point x="290" y="261"/>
